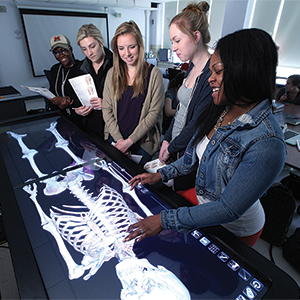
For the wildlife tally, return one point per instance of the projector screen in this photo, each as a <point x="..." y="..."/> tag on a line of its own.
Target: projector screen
<point x="41" y="25"/>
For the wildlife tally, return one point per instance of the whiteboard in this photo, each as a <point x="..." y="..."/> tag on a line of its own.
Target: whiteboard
<point x="41" y="25"/>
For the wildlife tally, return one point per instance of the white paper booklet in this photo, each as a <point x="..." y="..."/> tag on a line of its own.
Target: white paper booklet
<point x="153" y="165"/>
<point x="84" y="88"/>
<point x="42" y="91"/>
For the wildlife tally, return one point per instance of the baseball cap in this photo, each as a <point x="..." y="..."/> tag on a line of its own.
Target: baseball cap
<point x="59" y="41"/>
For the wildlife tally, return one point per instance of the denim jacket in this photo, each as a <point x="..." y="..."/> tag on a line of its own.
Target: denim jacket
<point x="240" y="163"/>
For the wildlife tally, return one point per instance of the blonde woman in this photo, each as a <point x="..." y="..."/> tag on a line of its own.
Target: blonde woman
<point x="133" y="96"/>
<point x="98" y="61"/>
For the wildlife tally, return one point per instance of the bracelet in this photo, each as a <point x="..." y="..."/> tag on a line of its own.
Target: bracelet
<point x="128" y="143"/>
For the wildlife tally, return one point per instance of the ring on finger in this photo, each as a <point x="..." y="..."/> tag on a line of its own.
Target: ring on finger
<point x="142" y="231"/>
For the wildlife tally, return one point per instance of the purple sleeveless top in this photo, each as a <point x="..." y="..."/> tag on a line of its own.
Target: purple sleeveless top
<point x="129" y="109"/>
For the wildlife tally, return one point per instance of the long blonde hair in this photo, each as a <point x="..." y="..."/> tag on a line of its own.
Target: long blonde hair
<point x="194" y="18"/>
<point x="120" y="69"/>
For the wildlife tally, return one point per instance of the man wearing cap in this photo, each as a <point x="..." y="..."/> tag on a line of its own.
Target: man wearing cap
<point x="68" y="67"/>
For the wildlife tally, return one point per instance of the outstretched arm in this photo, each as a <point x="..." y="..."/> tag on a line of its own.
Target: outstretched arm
<point x="150" y="178"/>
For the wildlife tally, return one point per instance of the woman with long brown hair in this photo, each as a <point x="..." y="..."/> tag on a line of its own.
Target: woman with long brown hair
<point x="133" y="96"/>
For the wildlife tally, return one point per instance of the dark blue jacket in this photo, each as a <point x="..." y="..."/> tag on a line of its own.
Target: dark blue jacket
<point x="201" y="96"/>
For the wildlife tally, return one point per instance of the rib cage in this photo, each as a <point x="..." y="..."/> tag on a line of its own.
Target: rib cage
<point x="97" y="229"/>
<point x="102" y="227"/>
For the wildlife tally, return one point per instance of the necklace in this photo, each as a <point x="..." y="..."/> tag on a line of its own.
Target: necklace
<point x="221" y="118"/>
<point x="225" y="112"/>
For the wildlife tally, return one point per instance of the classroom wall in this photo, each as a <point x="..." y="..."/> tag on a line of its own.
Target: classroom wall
<point x="15" y="67"/>
<point x="225" y="16"/>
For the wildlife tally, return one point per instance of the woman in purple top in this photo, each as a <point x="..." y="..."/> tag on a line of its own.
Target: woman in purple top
<point x="133" y="96"/>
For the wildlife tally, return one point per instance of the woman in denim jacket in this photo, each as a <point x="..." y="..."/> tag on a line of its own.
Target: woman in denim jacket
<point x="238" y="148"/>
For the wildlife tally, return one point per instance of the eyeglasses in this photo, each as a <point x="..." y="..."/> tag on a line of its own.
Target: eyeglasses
<point x="57" y="53"/>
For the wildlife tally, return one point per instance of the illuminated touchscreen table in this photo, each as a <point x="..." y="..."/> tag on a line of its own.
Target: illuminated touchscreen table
<point x="76" y="205"/>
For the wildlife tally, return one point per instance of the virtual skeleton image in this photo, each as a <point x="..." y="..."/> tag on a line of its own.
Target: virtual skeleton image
<point x="97" y="226"/>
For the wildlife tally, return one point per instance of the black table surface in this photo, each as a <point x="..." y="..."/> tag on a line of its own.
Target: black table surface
<point x="29" y="280"/>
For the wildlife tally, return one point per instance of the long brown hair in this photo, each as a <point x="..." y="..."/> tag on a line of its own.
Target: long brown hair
<point x="120" y="69"/>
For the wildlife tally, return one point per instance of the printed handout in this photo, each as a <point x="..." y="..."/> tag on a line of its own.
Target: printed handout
<point x="42" y="91"/>
<point x="84" y="88"/>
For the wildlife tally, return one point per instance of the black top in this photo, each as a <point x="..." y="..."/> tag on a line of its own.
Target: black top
<point x="171" y="94"/>
<point x="60" y="86"/>
<point x="94" y="120"/>
<point x="99" y="79"/>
